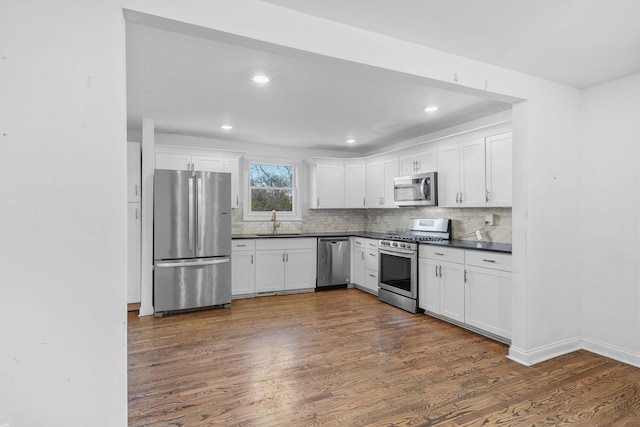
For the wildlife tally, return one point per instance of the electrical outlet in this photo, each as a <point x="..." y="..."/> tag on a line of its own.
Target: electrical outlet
<point x="488" y="219"/>
<point x="479" y="235"/>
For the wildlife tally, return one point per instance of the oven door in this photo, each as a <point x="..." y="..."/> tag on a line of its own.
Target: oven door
<point x="398" y="272"/>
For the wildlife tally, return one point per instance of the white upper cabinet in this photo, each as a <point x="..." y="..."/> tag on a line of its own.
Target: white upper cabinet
<point x="213" y="163"/>
<point x="134" y="171"/>
<point x="327" y="185"/>
<point x="355" y="185"/>
<point x="499" y="170"/>
<point x="449" y="176"/>
<point x="208" y="163"/>
<point x="380" y="176"/>
<point x="173" y="161"/>
<point x="425" y="161"/>
<point x="472" y="174"/>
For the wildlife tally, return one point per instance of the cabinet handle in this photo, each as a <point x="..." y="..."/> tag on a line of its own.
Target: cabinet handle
<point x="240" y="246"/>
<point x="461" y="197"/>
<point x="457" y="197"/>
<point x="318" y="201"/>
<point x="372" y="254"/>
<point x="372" y="275"/>
<point x="486" y="195"/>
<point x="488" y="260"/>
<point x="135" y="189"/>
<point x="237" y="200"/>
<point x="438" y="253"/>
<point x="136" y="213"/>
<point x="364" y="201"/>
<point x="251" y="259"/>
<point x="363" y="255"/>
<point x="465" y="276"/>
<point x="440" y="268"/>
<point x="283" y="257"/>
<point x="436" y="269"/>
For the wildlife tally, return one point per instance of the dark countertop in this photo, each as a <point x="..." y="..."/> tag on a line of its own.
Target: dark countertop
<point x="461" y="244"/>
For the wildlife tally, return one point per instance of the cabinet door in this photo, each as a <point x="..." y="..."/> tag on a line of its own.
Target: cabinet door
<point x="269" y="270"/>
<point x="472" y="173"/>
<point x="208" y="163"/>
<point x="499" y="170"/>
<point x="300" y="267"/>
<point x="233" y="167"/>
<point x="488" y="296"/>
<point x="448" y="176"/>
<point x="428" y="161"/>
<point x="355" y="185"/>
<point x="428" y="285"/>
<point x="133" y="253"/>
<point x="243" y="275"/>
<point x="134" y="171"/>
<point x="452" y="290"/>
<point x="329" y="184"/>
<point x="390" y="171"/>
<point x="358" y="265"/>
<point x="408" y="165"/>
<point x="177" y="162"/>
<point x="375" y="176"/>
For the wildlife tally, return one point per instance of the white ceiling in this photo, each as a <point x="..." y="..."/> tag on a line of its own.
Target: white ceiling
<point x="579" y="43"/>
<point x="191" y="85"/>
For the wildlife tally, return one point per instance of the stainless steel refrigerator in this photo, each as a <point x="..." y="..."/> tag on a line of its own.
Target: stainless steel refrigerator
<point x="191" y="240"/>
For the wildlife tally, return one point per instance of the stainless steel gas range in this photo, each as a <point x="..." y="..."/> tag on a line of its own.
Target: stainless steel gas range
<point x="398" y="261"/>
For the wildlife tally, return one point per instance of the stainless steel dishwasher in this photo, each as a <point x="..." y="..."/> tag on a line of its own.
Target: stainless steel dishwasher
<point x="333" y="262"/>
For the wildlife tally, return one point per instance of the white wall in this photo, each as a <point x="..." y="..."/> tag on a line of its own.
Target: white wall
<point x="62" y="214"/>
<point x="546" y="204"/>
<point x="610" y="218"/>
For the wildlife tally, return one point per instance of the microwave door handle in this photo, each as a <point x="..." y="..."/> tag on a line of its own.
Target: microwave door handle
<point x="423" y="188"/>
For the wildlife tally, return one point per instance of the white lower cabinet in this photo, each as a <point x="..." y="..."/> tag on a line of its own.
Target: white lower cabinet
<point x="364" y="264"/>
<point x="357" y="261"/>
<point x="243" y="267"/>
<point x="133" y="252"/>
<point x="488" y="292"/>
<point x="285" y="264"/>
<point x="472" y="288"/>
<point x="441" y="281"/>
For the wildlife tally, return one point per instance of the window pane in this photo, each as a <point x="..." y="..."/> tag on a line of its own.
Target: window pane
<point x="269" y="200"/>
<point x="271" y="176"/>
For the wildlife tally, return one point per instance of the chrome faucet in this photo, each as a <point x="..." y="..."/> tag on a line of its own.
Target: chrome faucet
<point x="275" y="224"/>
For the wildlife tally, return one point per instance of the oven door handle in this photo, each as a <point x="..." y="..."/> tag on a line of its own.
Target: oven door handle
<point x="397" y="252"/>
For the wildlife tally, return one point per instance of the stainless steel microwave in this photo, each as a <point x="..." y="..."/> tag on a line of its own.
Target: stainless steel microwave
<point x="416" y="190"/>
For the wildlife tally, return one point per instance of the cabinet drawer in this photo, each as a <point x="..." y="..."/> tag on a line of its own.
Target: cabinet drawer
<point x="440" y="253"/>
<point x="371" y="259"/>
<point x="371" y="244"/>
<point x="371" y="279"/>
<point x="494" y="260"/>
<point x="243" y="245"/>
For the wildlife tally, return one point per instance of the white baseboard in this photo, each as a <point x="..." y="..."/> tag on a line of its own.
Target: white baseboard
<point x="612" y="352"/>
<point x="145" y="311"/>
<point x="543" y="353"/>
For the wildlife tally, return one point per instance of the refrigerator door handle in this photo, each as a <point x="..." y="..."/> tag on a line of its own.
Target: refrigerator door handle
<point x="198" y="211"/>
<point x="191" y="263"/>
<point x="190" y="213"/>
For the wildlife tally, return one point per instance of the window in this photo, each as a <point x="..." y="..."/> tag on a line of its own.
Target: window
<point x="271" y="187"/>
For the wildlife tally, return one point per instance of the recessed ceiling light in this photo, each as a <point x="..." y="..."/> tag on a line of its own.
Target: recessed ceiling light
<point x="351" y="141"/>
<point x="261" y="78"/>
<point x="431" y="109"/>
<point x="226" y="127"/>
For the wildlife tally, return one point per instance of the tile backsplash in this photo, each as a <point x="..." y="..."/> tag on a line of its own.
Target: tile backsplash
<point x="465" y="221"/>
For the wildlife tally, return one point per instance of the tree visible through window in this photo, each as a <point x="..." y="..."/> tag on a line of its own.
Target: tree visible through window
<point x="271" y="187"/>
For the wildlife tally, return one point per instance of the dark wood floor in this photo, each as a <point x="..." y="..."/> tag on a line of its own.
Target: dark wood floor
<point x="341" y="358"/>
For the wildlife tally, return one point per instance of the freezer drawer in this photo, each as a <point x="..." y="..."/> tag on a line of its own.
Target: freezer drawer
<point x="191" y="284"/>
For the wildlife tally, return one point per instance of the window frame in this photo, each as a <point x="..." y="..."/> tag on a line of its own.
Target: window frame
<point x="295" y="214"/>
